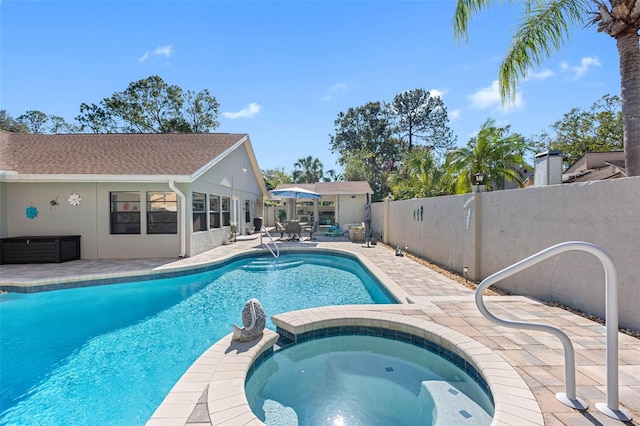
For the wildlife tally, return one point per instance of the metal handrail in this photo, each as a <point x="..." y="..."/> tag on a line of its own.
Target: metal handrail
<point x="277" y="252"/>
<point x="611" y="408"/>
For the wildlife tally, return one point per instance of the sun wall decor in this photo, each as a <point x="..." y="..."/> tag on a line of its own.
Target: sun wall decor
<point x="74" y="199"/>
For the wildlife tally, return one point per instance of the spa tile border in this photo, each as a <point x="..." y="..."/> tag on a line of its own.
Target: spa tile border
<point x="226" y="365"/>
<point x="288" y="339"/>
<point x="512" y="397"/>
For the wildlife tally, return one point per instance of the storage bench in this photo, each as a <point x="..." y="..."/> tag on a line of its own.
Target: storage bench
<point x="40" y="249"/>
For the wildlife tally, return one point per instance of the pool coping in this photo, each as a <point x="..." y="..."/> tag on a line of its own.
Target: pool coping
<point x="176" y="269"/>
<point x="220" y="373"/>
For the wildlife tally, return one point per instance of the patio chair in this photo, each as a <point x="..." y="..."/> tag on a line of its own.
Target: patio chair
<point x="281" y="229"/>
<point x="311" y="229"/>
<point x="333" y="231"/>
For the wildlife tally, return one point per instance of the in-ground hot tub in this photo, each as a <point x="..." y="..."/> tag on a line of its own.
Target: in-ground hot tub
<point x="379" y="378"/>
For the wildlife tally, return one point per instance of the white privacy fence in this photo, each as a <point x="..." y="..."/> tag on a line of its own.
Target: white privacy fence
<point x="489" y="231"/>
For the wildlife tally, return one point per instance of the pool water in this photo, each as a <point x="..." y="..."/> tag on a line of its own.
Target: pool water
<point x="364" y="380"/>
<point x="110" y="354"/>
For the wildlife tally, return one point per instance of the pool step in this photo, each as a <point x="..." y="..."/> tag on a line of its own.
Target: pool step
<point x="270" y="265"/>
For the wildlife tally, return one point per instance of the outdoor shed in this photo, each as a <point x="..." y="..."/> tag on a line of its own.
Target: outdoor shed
<point x="341" y="203"/>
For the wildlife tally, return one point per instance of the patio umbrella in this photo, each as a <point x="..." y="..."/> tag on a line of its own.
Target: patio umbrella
<point x="294" y="192"/>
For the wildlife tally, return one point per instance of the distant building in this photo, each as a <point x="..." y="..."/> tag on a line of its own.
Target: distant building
<point x="592" y="166"/>
<point x="596" y="166"/>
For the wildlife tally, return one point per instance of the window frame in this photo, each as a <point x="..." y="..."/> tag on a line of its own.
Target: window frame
<point x="199" y="212"/>
<point x="125" y="215"/>
<point x="214" y="212"/>
<point x="162" y="221"/>
<point x="225" y="210"/>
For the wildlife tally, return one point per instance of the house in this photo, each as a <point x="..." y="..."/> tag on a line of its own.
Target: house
<point x="596" y="166"/>
<point x="130" y="195"/>
<point x="341" y="203"/>
<point x="592" y="166"/>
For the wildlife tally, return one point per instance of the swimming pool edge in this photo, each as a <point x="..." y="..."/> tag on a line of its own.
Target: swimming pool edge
<point x="225" y="369"/>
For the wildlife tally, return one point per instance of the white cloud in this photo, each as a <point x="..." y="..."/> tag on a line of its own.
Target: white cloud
<point x="489" y="97"/>
<point x="578" y="71"/>
<point x="437" y="93"/>
<point x="248" y="112"/>
<point x="542" y="75"/>
<point x="585" y="64"/>
<point x="165" y="51"/>
<point x="336" y="88"/>
<point x="455" y="114"/>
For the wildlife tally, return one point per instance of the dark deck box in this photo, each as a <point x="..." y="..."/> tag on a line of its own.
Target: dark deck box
<point x="40" y="249"/>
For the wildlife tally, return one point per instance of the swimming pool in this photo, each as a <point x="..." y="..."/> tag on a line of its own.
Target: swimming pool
<point x="109" y="354"/>
<point x="365" y="380"/>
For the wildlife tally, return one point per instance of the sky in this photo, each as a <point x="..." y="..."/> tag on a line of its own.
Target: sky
<point x="282" y="71"/>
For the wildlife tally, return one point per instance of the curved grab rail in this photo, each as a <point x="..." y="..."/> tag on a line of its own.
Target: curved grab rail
<point x="611" y="408"/>
<point x="277" y="252"/>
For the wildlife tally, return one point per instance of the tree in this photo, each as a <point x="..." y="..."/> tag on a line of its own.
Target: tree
<point x="35" y="121"/>
<point x="579" y="131"/>
<point x="420" y="116"/>
<point x="365" y="136"/>
<point x="151" y="105"/>
<point x="308" y="170"/>
<point x="9" y="124"/>
<point x="38" y="122"/>
<point x="495" y="152"/>
<point x="331" y="176"/>
<point x="274" y="177"/>
<point x="419" y="176"/>
<point x="545" y="26"/>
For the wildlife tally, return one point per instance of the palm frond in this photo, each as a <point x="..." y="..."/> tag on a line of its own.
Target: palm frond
<point x="544" y="29"/>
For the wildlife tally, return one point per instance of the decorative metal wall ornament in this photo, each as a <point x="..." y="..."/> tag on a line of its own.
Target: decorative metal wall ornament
<point x="31" y="212"/>
<point x="54" y="203"/>
<point x="74" y="199"/>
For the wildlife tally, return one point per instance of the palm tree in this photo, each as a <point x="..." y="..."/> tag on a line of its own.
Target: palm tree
<point x="308" y="170"/>
<point x="419" y="176"/>
<point x="332" y="176"/>
<point x="545" y="26"/>
<point x="494" y="152"/>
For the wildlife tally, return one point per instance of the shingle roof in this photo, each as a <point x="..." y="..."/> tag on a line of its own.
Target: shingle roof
<point x="112" y="154"/>
<point x="328" y="188"/>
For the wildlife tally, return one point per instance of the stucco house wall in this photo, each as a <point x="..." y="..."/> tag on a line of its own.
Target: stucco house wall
<point x="35" y="171"/>
<point x="350" y="209"/>
<point x="234" y="178"/>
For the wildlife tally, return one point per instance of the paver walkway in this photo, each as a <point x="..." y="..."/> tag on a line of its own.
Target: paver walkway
<point x="538" y="357"/>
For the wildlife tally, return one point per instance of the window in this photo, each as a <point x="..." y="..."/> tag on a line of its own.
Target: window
<point x="226" y="212"/>
<point x="125" y="212"/>
<point x="162" y="213"/>
<point x="199" y="206"/>
<point x="247" y="211"/>
<point x="214" y="211"/>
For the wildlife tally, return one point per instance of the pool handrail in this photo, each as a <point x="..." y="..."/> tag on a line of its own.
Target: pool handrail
<point x="569" y="398"/>
<point x="277" y="252"/>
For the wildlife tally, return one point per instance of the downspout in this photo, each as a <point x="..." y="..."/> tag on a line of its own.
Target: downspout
<point x="183" y="217"/>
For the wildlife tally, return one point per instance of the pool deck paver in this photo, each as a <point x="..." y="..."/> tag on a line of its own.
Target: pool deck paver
<point x="537" y="357"/>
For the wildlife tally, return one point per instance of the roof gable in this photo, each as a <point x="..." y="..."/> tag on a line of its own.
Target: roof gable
<point x="113" y="154"/>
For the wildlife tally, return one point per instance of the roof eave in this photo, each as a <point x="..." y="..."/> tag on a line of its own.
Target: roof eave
<point x="16" y="177"/>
